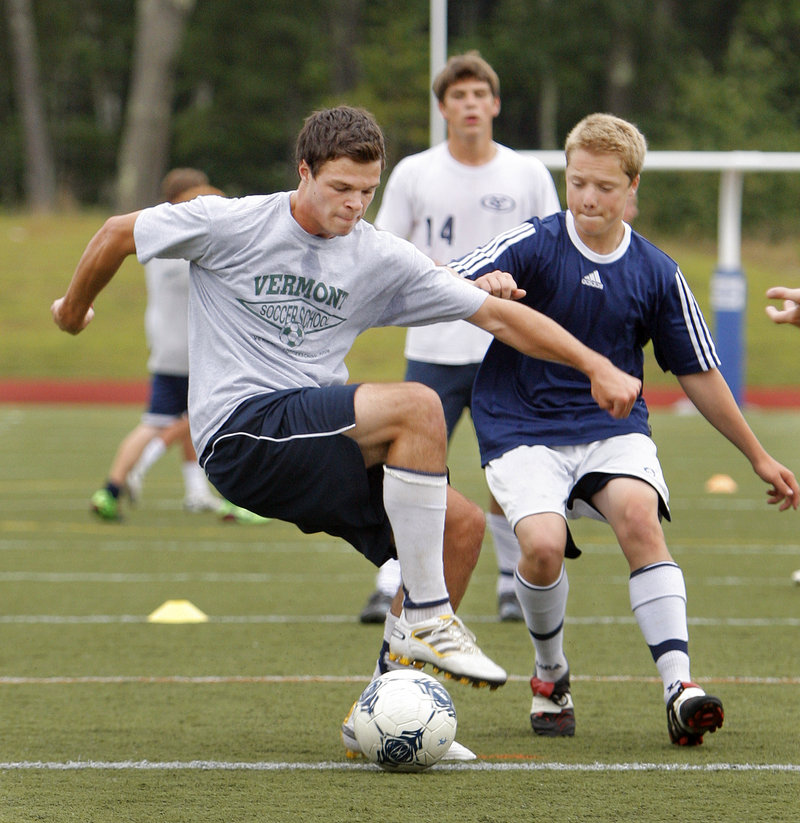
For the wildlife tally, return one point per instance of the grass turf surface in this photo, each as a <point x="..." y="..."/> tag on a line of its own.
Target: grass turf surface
<point x="107" y="717"/>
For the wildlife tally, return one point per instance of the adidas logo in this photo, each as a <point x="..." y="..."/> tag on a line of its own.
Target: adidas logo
<point x="592" y="279"/>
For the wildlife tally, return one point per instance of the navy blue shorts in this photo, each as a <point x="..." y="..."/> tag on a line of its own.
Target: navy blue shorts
<point x="453" y="384"/>
<point x="169" y="398"/>
<point x="284" y="455"/>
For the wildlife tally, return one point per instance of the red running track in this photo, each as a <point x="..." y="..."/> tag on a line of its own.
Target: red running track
<point x="136" y="392"/>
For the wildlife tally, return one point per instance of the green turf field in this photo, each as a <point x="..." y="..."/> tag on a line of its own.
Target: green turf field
<point x="106" y="717"/>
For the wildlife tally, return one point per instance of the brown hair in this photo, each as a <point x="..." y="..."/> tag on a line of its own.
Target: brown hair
<point x="463" y="66"/>
<point x="608" y="134"/>
<point x="344" y="131"/>
<point x="196" y="191"/>
<point x="179" y="180"/>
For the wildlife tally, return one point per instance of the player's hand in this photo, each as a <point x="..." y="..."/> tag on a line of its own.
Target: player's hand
<point x="791" y="305"/>
<point x="500" y="284"/>
<point x="67" y="322"/>
<point x="615" y="390"/>
<point x="783" y="486"/>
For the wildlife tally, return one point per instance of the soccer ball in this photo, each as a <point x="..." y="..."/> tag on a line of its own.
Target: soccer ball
<point x="404" y="721"/>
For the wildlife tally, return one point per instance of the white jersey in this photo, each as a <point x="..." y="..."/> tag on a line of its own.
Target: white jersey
<point x="273" y="307"/>
<point x="446" y="209"/>
<point x="166" y="318"/>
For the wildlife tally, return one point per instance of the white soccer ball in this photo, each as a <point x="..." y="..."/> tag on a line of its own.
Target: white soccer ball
<point x="404" y="721"/>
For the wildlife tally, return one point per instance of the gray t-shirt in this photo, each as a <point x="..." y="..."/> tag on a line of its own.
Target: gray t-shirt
<point x="166" y="317"/>
<point x="273" y="307"/>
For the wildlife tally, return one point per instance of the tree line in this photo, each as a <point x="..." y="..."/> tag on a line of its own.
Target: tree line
<point x="99" y="97"/>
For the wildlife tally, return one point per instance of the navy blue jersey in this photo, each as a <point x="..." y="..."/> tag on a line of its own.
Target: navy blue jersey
<point x="613" y="303"/>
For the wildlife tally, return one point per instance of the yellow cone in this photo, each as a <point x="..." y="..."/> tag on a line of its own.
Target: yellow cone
<point x="721" y="484"/>
<point x="177" y="611"/>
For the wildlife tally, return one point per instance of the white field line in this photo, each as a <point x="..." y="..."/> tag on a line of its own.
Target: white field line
<point x="601" y="620"/>
<point x="300" y="578"/>
<point x="172" y="577"/>
<point x="324" y="766"/>
<point x="164" y="539"/>
<point x="276" y="679"/>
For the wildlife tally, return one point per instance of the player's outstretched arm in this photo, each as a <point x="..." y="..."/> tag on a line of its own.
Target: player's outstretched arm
<point x="99" y="262"/>
<point x="537" y="335"/>
<point x="790" y="313"/>
<point x="709" y="392"/>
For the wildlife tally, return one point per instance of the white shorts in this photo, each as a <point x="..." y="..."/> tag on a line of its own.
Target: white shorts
<point x="536" y="479"/>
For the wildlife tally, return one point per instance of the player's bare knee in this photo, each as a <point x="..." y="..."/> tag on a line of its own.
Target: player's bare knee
<point x="639" y="525"/>
<point x="425" y="408"/>
<point x="542" y="558"/>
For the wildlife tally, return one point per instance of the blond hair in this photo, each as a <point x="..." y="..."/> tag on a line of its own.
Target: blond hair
<point x="608" y="134"/>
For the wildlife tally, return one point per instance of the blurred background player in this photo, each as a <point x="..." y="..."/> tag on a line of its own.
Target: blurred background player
<point x="165" y="422"/>
<point x="447" y="200"/>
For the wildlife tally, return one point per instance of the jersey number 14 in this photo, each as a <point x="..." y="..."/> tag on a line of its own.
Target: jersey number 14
<point x="446" y="233"/>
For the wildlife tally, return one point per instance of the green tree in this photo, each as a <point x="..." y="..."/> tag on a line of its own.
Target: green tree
<point x="248" y="76"/>
<point x="742" y="97"/>
<point x="713" y="74"/>
<point x="394" y="84"/>
<point x="144" y="147"/>
<point x="40" y="183"/>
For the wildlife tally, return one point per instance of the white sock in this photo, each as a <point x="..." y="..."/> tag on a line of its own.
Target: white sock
<point x="544" y="608"/>
<point x="388" y="579"/>
<point x="151" y="454"/>
<point x="194" y="479"/>
<point x="506" y="548"/>
<point x="658" y="600"/>
<point x="416" y="503"/>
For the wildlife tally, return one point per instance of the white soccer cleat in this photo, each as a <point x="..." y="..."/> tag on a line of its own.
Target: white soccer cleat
<point x="134" y="481"/>
<point x="351" y="746"/>
<point x="448" y="646"/>
<point x="197" y="503"/>
<point x="459" y="753"/>
<point x="456" y="752"/>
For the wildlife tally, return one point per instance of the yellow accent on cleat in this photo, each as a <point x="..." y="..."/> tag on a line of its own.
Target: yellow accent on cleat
<point x="444" y="644"/>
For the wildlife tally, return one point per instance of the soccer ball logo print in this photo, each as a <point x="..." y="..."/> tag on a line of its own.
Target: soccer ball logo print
<point x="292" y="335"/>
<point x="405" y="721"/>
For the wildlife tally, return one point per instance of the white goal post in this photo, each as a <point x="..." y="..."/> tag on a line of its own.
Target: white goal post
<point x="728" y="283"/>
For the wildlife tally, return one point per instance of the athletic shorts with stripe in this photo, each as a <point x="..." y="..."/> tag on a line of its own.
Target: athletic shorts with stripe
<point x="563" y="479"/>
<point x="285" y="455"/>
